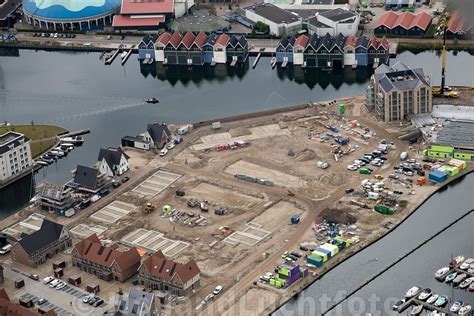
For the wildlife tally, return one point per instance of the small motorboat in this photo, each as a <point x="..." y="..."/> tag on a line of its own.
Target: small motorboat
<point x="416" y="310"/>
<point x="457" y="260"/>
<point x="425" y="294"/>
<point x="459" y="279"/>
<point x="465" y="310"/>
<point x="450" y="277"/>
<point x="432" y="299"/>
<point x="152" y="100"/>
<point x="465" y="265"/>
<point x="441" y="301"/>
<point x="412" y="292"/>
<point x="42" y="163"/>
<point x="471" y="269"/>
<point x="464" y="284"/>
<point x="398" y="304"/>
<point x="456" y="306"/>
<point x="441" y="272"/>
<point x="471" y="287"/>
<point x="123" y="54"/>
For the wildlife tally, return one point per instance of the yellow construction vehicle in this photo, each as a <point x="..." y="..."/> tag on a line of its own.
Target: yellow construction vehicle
<point x="149" y="207"/>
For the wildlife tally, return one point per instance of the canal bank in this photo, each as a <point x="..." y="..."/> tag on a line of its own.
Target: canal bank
<point x="354" y="274"/>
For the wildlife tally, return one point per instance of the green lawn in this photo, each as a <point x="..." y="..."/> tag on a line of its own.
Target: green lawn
<point x="42" y="136"/>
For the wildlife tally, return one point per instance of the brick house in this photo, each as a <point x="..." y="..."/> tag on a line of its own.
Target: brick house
<point x="159" y="273"/>
<point x="107" y="263"/>
<point x="34" y="249"/>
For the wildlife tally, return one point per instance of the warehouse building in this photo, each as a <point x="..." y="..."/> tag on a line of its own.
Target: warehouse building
<point x="281" y="22"/>
<point x="334" y="22"/>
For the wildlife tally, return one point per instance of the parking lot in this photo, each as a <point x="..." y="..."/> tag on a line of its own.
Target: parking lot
<point x="47" y="305"/>
<point x="156" y="183"/>
<point x="113" y="212"/>
<point x="154" y="240"/>
<point x="84" y="231"/>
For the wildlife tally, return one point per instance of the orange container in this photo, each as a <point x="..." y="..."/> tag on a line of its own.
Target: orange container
<point x="421" y="181"/>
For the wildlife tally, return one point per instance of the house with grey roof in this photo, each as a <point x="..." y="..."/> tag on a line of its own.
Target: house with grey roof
<point x="34" y="249"/>
<point x="112" y="161"/>
<point x="136" y="303"/>
<point x="398" y="91"/>
<point x="88" y="179"/>
<point x="157" y="134"/>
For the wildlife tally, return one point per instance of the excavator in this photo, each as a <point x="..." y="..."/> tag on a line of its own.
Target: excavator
<point x="443" y="90"/>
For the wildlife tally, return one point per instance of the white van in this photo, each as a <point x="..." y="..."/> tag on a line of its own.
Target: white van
<point x="5" y="249"/>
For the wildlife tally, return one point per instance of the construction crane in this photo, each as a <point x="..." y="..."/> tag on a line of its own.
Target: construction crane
<point x="442" y="31"/>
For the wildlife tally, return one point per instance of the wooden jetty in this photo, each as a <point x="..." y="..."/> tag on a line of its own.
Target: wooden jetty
<point x="256" y="60"/>
<point x="126" y="57"/>
<point x="76" y="133"/>
<point x="111" y="59"/>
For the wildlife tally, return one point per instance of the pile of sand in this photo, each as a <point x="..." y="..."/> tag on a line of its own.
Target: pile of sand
<point x="190" y="160"/>
<point x="305" y="155"/>
<point x="332" y="179"/>
<point x="340" y="216"/>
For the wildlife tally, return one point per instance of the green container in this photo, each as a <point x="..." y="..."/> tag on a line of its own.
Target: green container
<point x="284" y="271"/>
<point x="342" y="108"/>
<point x="382" y="209"/>
<point x="272" y="282"/>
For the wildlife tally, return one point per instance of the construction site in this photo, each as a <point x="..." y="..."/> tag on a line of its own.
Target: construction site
<point x="236" y="196"/>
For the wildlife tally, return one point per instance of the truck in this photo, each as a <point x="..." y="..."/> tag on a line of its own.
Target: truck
<point x="184" y="129"/>
<point x="149" y="207"/>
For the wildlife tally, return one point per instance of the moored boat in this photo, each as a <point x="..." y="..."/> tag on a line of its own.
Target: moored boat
<point x="457" y="260"/>
<point x="456" y="306"/>
<point x="471" y="287"/>
<point x="412" y="291"/>
<point x="75" y="140"/>
<point x="450" y="277"/>
<point x="432" y="299"/>
<point x="398" y="304"/>
<point x="441" y="301"/>
<point x="464" y="284"/>
<point x="459" y="279"/>
<point x="42" y="163"/>
<point x="425" y="294"/>
<point x="416" y="310"/>
<point x="441" y="273"/>
<point x="465" y="310"/>
<point x="152" y="100"/>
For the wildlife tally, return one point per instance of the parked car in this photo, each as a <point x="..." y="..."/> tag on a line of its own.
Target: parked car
<point x="170" y="146"/>
<point x="87" y="298"/>
<point x="125" y="179"/>
<point x="98" y="302"/>
<point x="295" y="254"/>
<point x="393" y="176"/>
<point x="60" y="286"/>
<point x="303" y="248"/>
<point x="217" y="290"/>
<point x="48" y="280"/>
<point x="163" y="152"/>
<point x="34" y="277"/>
<point x="104" y="192"/>
<point x="93" y="300"/>
<point x="54" y="283"/>
<point x="351" y="167"/>
<point x="349" y="190"/>
<point x="116" y="184"/>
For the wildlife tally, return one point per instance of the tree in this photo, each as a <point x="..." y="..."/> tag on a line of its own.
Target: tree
<point x="455" y="41"/>
<point x="262" y="27"/>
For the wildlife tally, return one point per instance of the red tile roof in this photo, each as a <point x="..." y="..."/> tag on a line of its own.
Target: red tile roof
<point x="223" y="39"/>
<point x="200" y="39"/>
<point x="124" y="21"/>
<point x="92" y="250"/>
<point x="147" y="7"/>
<point x="301" y="41"/>
<point x="351" y="41"/>
<point x="175" y="39"/>
<point x="164" y="38"/>
<point x="377" y="43"/>
<point x="188" y="39"/>
<point x="407" y="20"/>
<point x="458" y="23"/>
<point x="158" y="266"/>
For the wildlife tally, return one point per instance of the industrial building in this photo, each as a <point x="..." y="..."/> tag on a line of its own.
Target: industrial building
<point x="404" y="24"/>
<point x="398" y="91"/>
<point x="15" y="156"/>
<point x="280" y="21"/>
<point x="70" y="15"/>
<point x="8" y="12"/>
<point x="334" y="22"/>
<point x="150" y="14"/>
<point x="390" y="4"/>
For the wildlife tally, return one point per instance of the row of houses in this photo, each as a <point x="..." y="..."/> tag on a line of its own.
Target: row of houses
<point x="404" y="24"/>
<point x="193" y="49"/>
<point x="108" y="263"/>
<point x="332" y="51"/>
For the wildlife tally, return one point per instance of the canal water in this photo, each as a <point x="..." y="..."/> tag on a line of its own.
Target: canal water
<point x="75" y="90"/>
<point x="416" y="269"/>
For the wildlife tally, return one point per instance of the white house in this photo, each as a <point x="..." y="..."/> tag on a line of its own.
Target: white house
<point x="349" y="51"/>
<point x="15" y="155"/>
<point x="220" y="49"/>
<point x="112" y="161"/>
<point x="280" y="21"/>
<point x="298" y="49"/>
<point x="334" y="22"/>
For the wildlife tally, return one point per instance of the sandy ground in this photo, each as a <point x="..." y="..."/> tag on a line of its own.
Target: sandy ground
<point x="290" y="160"/>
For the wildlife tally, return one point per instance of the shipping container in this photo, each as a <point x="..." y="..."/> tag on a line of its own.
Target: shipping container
<point x="437" y="176"/>
<point x="382" y="209"/>
<point x="332" y="248"/>
<point x="316" y="261"/>
<point x="284" y="271"/>
<point x="323" y="255"/>
<point x="327" y="252"/>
